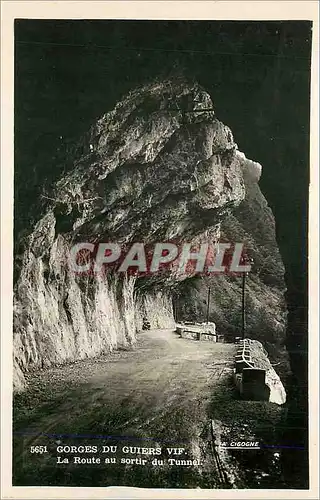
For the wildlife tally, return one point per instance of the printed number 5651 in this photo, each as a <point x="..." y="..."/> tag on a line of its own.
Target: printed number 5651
<point x="38" y="449"/>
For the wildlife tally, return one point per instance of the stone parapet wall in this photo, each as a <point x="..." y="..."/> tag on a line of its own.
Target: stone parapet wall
<point x="254" y="376"/>
<point x="197" y="331"/>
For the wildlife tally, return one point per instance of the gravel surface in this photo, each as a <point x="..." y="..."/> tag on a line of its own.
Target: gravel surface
<point x="162" y="394"/>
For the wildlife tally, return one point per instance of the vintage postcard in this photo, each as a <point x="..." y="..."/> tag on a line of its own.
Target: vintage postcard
<point x="159" y="267"/>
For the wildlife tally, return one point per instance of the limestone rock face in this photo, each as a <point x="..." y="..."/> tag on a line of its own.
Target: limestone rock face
<point x="253" y="223"/>
<point x="158" y="167"/>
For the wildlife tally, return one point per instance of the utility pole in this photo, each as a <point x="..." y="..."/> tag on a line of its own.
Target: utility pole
<point x="208" y="304"/>
<point x="243" y="305"/>
<point x="247" y="260"/>
<point x="175" y="308"/>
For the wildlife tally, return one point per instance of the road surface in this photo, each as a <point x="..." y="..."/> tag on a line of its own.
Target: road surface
<point x="157" y="395"/>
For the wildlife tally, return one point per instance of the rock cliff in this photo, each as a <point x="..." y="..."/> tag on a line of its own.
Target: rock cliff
<point x="160" y="166"/>
<point x="252" y="222"/>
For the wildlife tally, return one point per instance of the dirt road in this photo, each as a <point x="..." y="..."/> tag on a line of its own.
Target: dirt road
<point x="161" y="394"/>
<point x="154" y="396"/>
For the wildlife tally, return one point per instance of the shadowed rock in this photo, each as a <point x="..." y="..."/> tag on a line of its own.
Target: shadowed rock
<point x="158" y="167"/>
